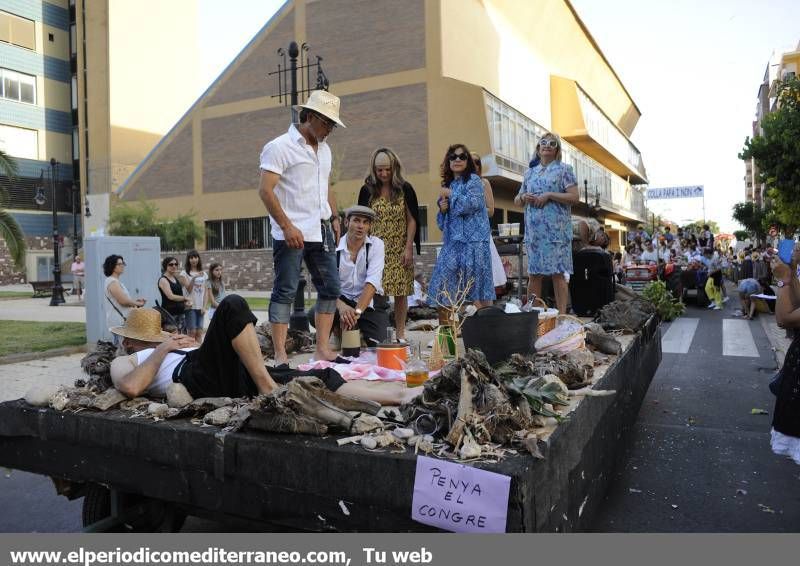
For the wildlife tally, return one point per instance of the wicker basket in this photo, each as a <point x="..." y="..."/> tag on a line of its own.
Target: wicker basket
<point x="545" y="324"/>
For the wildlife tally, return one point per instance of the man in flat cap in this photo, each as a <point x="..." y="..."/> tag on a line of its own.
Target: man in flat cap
<point x="360" y="258"/>
<point x="294" y="188"/>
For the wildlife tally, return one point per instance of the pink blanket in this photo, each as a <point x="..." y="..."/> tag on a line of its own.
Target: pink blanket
<point x="357" y="370"/>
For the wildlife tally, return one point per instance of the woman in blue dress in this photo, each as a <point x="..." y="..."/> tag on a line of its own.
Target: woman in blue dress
<point x="464" y="222"/>
<point x="548" y="193"/>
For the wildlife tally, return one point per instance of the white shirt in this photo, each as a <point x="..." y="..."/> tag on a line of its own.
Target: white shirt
<point x="353" y="277"/>
<point x="419" y="298"/>
<point x="648" y="256"/>
<point x="198" y="294"/>
<point x="115" y="312"/>
<point x="303" y="187"/>
<point x="163" y="378"/>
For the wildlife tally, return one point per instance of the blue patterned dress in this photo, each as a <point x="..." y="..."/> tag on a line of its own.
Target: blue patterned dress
<point x="548" y="230"/>
<point x="465" y="251"/>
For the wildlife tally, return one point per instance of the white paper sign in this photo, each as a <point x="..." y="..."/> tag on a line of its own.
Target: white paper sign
<point x="693" y="191"/>
<point x="459" y="498"/>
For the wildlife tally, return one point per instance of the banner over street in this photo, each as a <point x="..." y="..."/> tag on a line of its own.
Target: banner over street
<point x="691" y="191"/>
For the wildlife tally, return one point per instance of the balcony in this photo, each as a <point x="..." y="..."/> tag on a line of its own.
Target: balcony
<point x="580" y="121"/>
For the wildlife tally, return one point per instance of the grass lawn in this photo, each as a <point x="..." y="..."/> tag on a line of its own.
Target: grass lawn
<point x="18" y="337"/>
<point x="262" y="303"/>
<point x="15" y="295"/>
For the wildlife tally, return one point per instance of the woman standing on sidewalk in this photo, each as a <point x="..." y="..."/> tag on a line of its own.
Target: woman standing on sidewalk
<point x="786" y="416"/>
<point x="118" y="301"/>
<point x="194" y="279"/>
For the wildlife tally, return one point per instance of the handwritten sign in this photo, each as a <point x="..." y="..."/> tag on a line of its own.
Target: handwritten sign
<point x="459" y="498"/>
<point x="693" y="191"/>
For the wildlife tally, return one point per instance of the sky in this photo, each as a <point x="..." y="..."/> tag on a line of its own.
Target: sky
<point x="692" y="67"/>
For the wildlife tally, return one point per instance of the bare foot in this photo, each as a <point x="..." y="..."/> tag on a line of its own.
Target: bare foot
<point x="328" y="355"/>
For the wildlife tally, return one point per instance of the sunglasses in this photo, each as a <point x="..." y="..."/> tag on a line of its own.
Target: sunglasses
<point x="548" y="143"/>
<point x="330" y="124"/>
<point x="458" y="157"/>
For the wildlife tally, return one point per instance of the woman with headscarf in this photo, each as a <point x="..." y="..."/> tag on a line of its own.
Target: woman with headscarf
<point x="397" y="223"/>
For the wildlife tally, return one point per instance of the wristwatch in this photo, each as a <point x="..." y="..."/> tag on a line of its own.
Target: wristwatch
<point x="781" y="283"/>
<point x="359" y="312"/>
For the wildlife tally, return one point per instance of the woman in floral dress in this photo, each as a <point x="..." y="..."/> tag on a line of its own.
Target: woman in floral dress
<point x="548" y="192"/>
<point x="464" y="258"/>
<point x="395" y="204"/>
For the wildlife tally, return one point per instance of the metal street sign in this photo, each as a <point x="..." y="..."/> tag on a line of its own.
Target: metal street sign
<point x="693" y="191"/>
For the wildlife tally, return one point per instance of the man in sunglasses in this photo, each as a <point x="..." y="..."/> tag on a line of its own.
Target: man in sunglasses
<point x="294" y="188"/>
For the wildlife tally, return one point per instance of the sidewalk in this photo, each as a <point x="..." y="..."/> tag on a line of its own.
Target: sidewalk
<point x="777" y="336"/>
<point x="39" y="310"/>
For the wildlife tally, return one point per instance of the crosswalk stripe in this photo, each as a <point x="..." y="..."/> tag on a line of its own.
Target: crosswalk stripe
<point x="678" y="338"/>
<point x="737" y="339"/>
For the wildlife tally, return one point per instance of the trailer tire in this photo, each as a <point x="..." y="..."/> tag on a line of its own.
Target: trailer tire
<point x="161" y="517"/>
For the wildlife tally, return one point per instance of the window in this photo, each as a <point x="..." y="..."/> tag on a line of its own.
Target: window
<point x="73" y="41"/>
<point x="17" y="31"/>
<point x="17" y="86"/>
<point x="423" y="223"/>
<point x="74" y="92"/>
<point x="19" y="142"/>
<point x="238" y="234"/>
<point x="51" y="38"/>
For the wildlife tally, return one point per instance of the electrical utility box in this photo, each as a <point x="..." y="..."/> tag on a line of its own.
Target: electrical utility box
<point x="142" y="256"/>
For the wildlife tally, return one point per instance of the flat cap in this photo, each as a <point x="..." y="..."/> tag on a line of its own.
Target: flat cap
<point x="360" y="211"/>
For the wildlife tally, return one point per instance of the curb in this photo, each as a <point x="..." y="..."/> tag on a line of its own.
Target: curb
<point x="28" y="356"/>
<point x="776" y="338"/>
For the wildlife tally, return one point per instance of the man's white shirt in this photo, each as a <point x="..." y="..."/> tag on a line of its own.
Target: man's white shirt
<point x="353" y="277"/>
<point x="303" y="187"/>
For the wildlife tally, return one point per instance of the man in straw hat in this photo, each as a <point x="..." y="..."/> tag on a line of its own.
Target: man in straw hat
<point x="227" y="364"/>
<point x="360" y="258"/>
<point x="294" y="188"/>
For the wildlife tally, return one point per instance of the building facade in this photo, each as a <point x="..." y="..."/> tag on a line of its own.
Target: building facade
<point x="783" y="65"/>
<point x="415" y="76"/>
<point x="37" y="125"/>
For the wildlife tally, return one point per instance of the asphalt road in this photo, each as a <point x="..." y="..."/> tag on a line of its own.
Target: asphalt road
<point x="699" y="460"/>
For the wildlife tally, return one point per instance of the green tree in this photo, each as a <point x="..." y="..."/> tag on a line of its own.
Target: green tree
<point x="10" y="230"/>
<point x="141" y="219"/>
<point x="753" y="218"/>
<point x="697" y="226"/>
<point x="741" y="235"/>
<point x="777" y="154"/>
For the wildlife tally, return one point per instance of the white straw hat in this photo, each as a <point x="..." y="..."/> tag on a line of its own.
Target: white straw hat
<point x="324" y="103"/>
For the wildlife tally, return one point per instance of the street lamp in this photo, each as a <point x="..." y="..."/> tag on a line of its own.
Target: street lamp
<point x="75" y="194"/>
<point x="58" y="290"/>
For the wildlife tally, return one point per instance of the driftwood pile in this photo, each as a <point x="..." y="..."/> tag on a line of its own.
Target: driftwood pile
<point x="627" y="314"/>
<point x="476" y="408"/>
<point x="97" y="365"/>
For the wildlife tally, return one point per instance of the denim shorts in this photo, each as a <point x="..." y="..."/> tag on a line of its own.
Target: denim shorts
<point x="320" y="259"/>
<point x="194" y="319"/>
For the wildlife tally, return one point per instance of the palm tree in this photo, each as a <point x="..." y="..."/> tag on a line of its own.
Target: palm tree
<point x="10" y="230"/>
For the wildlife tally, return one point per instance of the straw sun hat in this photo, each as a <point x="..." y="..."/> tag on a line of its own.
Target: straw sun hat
<point x="144" y="325"/>
<point x="325" y="103"/>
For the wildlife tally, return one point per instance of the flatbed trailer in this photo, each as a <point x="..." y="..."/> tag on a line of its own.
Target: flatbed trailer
<point x="149" y="475"/>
